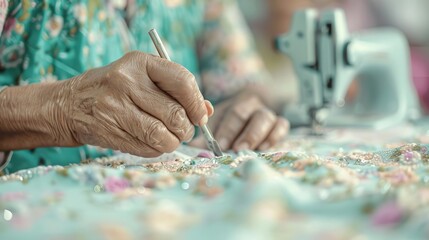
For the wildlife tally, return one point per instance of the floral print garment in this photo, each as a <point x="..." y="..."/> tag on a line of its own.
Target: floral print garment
<point x="44" y="41"/>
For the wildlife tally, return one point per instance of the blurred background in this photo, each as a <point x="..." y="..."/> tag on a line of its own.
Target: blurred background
<point x="270" y="18"/>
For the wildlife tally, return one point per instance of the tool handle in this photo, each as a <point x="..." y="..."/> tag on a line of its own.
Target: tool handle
<point x="158" y="44"/>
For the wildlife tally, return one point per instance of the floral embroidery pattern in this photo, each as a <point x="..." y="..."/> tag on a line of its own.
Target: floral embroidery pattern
<point x="114" y="185"/>
<point x="411" y="154"/>
<point x="284" y="192"/>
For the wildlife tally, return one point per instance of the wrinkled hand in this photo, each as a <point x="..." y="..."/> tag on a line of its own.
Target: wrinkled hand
<point x="140" y="104"/>
<point x="244" y="122"/>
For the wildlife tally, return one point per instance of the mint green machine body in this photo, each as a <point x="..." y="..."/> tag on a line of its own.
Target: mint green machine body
<point x="327" y="59"/>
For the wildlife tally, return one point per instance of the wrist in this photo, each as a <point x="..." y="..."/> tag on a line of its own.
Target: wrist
<point x="34" y="116"/>
<point x="56" y="99"/>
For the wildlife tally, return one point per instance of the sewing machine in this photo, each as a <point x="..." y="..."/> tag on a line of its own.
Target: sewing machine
<point x="327" y="59"/>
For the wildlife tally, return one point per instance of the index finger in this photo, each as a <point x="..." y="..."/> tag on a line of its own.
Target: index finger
<point x="234" y="121"/>
<point x="180" y="84"/>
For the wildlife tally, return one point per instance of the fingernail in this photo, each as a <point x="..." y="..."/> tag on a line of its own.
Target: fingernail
<point x="211" y="105"/>
<point x="264" y="146"/>
<point x="243" y="146"/>
<point x="204" y="120"/>
<point x="223" y="143"/>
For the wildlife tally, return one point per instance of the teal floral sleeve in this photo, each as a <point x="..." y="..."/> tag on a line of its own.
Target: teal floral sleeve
<point x="3" y="12"/>
<point x="47" y="40"/>
<point x="178" y="23"/>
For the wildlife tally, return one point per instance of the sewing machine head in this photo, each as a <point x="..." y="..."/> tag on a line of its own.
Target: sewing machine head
<point x="327" y="59"/>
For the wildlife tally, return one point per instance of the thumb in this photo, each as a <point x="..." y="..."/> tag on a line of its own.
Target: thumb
<point x="180" y="84"/>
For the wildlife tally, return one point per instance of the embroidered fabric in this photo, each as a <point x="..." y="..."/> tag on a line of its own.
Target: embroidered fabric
<point x="367" y="194"/>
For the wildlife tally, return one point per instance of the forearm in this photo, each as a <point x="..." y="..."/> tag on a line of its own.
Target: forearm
<point x="33" y="116"/>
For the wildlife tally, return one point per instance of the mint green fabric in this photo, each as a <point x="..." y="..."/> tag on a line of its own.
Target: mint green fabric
<point x="314" y="188"/>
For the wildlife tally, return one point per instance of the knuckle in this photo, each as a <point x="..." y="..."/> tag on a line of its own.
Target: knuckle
<point x="264" y="111"/>
<point x="133" y="54"/>
<point x="134" y="60"/>
<point x="118" y="77"/>
<point x="252" y="138"/>
<point x="114" y="74"/>
<point x="244" y="109"/>
<point x="266" y="114"/>
<point x="155" y="133"/>
<point x="159" y="138"/>
<point x="176" y="117"/>
<point x="237" y="112"/>
<point x="102" y="102"/>
<point x="254" y="100"/>
<point x="178" y="123"/>
<point x="130" y="54"/>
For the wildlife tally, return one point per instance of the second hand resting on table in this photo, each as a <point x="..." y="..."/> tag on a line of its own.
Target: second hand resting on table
<point x="245" y="122"/>
<point x="139" y="104"/>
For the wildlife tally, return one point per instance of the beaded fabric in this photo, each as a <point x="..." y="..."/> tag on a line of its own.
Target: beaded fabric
<point x="322" y="192"/>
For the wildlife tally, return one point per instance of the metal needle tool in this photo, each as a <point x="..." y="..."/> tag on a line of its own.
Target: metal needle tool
<point x="211" y="142"/>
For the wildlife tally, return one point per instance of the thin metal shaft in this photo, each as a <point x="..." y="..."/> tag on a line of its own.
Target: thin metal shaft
<point x="211" y="142"/>
<point x="158" y="44"/>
